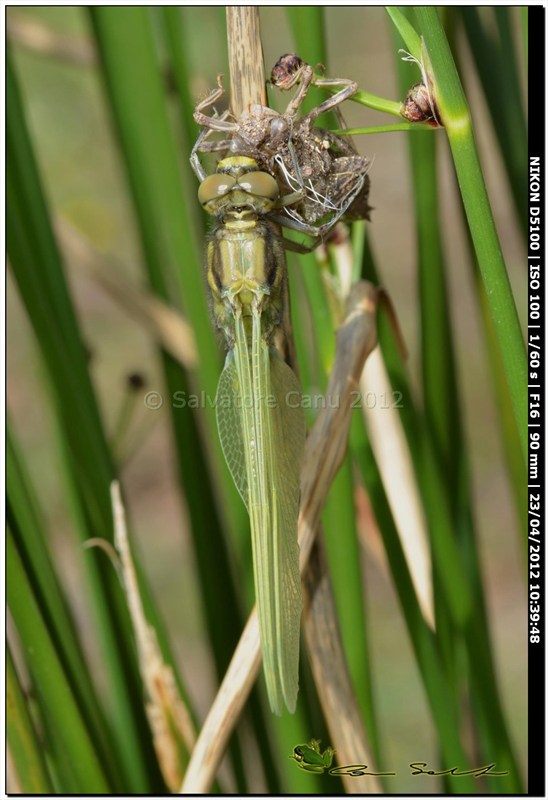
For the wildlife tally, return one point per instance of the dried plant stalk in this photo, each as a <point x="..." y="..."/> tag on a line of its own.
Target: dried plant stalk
<point x="395" y="465"/>
<point x="337" y="697"/>
<point x="245" y="58"/>
<point x="170" y="722"/>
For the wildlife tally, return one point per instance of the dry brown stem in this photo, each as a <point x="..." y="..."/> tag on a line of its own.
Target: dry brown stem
<point x="170" y="722"/>
<point x="245" y="58"/>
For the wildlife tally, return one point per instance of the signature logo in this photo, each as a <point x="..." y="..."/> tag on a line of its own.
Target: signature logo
<point x="310" y="758"/>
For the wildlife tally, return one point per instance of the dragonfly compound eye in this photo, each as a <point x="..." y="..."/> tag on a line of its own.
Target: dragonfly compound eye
<point x="215" y="186"/>
<point x="260" y="184"/>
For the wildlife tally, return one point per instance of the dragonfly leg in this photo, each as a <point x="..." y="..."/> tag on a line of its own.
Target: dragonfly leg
<point x="199" y="171"/>
<point x="216" y="122"/>
<point x="290" y="70"/>
<point x="296" y="224"/>
<point x="350" y="88"/>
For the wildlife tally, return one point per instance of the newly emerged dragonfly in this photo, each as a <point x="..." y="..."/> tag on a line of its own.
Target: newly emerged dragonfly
<point x="259" y="414"/>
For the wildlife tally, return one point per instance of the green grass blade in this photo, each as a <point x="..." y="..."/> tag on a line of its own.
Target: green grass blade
<point x="344" y="556"/>
<point x="308" y="28"/>
<point x="25" y="521"/>
<point x="154" y="169"/>
<point x="436" y="684"/>
<point x="176" y="36"/>
<point x="38" y="272"/>
<point x="457" y="121"/>
<point x="439" y="385"/>
<point x="445" y="430"/>
<point x="525" y="35"/>
<point x="406" y="30"/>
<point x="79" y="772"/>
<point x="497" y="69"/>
<point x="25" y="746"/>
<point x="517" y="468"/>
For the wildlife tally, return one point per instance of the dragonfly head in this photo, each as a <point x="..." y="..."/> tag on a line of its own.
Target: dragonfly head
<point x="238" y="189"/>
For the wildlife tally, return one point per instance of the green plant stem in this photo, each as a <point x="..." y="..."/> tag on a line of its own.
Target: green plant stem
<point x="80" y="766"/>
<point x="377" y="103"/>
<point x="25" y="520"/>
<point x="525" y="35"/>
<point x="406" y="31"/>
<point x="437" y="686"/>
<point x="458" y="124"/>
<point x="496" y="66"/>
<point x="39" y="274"/>
<point x="400" y="126"/>
<point x="23" y="740"/>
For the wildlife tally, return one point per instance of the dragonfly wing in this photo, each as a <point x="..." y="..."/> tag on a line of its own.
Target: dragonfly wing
<point x="241" y="426"/>
<point x="287" y="431"/>
<point x="228" y="406"/>
<point x="280" y="432"/>
<point x="262" y="432"/>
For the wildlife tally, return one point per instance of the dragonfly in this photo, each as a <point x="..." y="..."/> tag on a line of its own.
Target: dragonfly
<point x="259" y="412"/>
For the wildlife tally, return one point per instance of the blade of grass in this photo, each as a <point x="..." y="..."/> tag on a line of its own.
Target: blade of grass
<point x="25" y="746"/>
<point x="524" y="14"/>
<point x="38" y="272"/>
<point x="25" y="521"/>
<point x="176" y="36"/>
<point x="496" y="67"/>
<point x="516" y="467"/>
<point x="456" y="118"/>
<point x="466" y="594"/>
<point x="79" y="772"/>
<point x="439" y="384"/>
<point x="438" y="688"/>
<point x="153" y="165"/>
<point x="443" y="415"/>
<point x="406" y="30"/>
